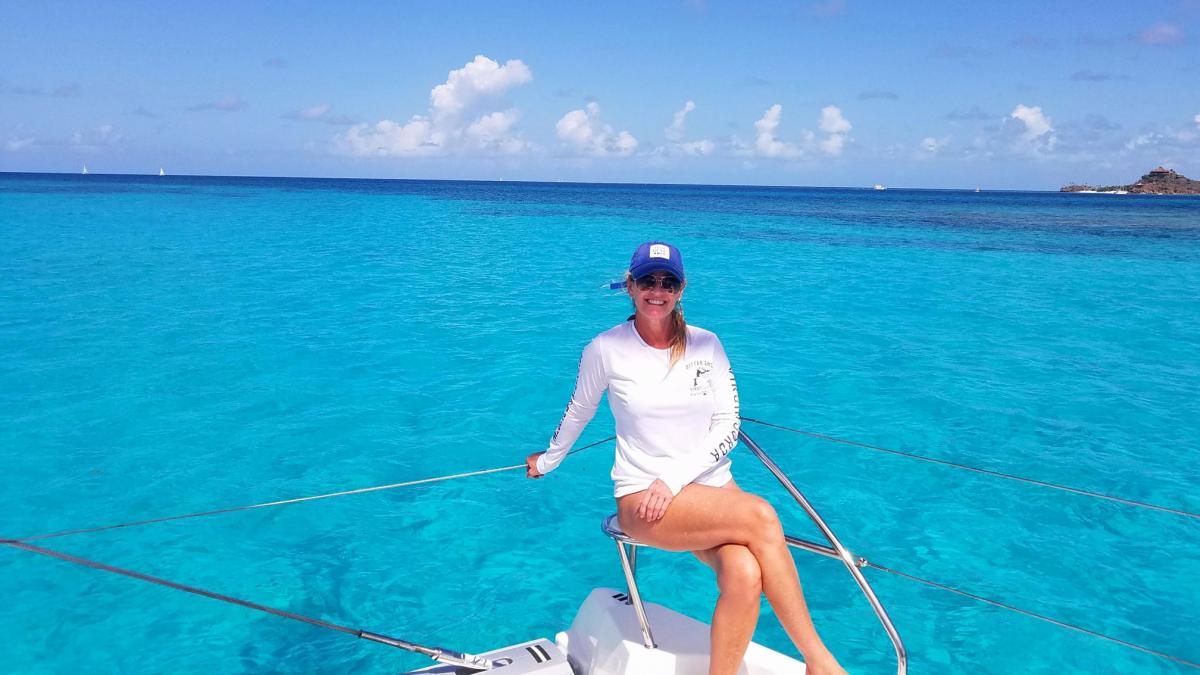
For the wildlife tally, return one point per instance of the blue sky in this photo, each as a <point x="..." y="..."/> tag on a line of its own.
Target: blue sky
<point x="834" y="92"/>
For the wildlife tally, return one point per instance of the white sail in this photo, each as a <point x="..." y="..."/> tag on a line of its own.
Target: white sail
<point x="85" y="169"/>
<point x="161" y="172"/>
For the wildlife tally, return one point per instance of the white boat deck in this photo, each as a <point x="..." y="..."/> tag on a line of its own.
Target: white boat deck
<point x="606" y="639"/>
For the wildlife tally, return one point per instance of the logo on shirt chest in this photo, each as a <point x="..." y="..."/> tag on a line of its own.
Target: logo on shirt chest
<point x="698" y="370"/>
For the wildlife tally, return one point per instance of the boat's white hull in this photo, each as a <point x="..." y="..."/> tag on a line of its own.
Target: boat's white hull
<point x="605" y="639"/>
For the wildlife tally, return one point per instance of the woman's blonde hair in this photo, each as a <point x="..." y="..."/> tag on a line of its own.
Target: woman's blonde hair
<point x="678" y="325"/>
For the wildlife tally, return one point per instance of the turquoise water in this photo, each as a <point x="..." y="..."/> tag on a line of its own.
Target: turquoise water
<point x="179" y="344"/>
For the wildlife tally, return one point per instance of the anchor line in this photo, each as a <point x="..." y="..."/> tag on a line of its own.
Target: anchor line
<point x="281" y="502"/>
<point x="988" y="472"/>
<point x="863" y="562"/>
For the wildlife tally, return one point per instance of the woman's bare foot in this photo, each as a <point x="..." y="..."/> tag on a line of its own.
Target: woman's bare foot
<point x="823" y="664"/>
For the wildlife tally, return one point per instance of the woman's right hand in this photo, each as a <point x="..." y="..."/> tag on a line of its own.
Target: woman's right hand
<point x="531" y="470"/>
<point x="654" y="502"/>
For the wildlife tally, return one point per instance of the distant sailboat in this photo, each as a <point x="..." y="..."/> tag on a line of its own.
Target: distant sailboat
<point x="879" y="186"/>
<point x="977" y="189"/>
<point x="85" y="171"/>
<point x="161" y="172"/>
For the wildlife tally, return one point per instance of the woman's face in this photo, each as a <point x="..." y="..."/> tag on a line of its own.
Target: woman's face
<point x="652" y="300"/>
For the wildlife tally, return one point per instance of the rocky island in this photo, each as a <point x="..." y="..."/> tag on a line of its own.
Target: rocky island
<point x="1158" y="182"/>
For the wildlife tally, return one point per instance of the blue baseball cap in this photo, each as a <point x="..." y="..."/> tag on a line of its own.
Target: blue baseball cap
<point x="656" y="256"/>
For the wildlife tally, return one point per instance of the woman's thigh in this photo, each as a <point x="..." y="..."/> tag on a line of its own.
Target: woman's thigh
<point x="712" y="556"/>
<point x="699" y="517"/>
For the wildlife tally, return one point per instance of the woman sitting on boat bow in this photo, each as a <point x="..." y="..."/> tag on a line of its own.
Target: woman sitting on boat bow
<point x="675" y="403"/>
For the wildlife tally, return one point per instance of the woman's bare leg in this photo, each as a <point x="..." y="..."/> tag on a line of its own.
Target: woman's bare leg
<point x="702" y="517"/>
<point x="739" y="579"/>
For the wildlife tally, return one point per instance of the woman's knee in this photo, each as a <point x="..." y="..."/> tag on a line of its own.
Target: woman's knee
<point x="738" y="571"/>
<point x="762" y="521"/>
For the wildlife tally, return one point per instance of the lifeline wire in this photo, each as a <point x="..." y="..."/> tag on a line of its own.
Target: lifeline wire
<point x="171" y="584"/>
<point x="996" y="474"/>
<point x="437" y="653"/>
<point x="281" y="502"/>
<point x="995" y="603"/>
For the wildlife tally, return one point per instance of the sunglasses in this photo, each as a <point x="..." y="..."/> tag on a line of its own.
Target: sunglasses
<point x="668" y="283"/>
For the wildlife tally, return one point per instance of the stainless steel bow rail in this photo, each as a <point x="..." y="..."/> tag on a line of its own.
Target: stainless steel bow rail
<point x="854" y="563"/>
<point x="833" y="550"/>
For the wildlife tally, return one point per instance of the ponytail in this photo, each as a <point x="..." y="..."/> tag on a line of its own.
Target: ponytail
<point x="679" y="340"/>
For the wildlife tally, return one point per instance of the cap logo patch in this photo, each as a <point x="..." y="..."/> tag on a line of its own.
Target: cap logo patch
<point x="660" y="251"/>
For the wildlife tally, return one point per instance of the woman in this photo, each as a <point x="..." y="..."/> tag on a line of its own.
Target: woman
<point x="675" y="403"/>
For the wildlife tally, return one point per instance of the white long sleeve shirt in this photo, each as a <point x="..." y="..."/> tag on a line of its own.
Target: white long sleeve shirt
<point x="677" y="424"/>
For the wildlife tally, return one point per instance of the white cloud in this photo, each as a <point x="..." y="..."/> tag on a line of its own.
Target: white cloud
<point x="416" y="138"/>
<point x="1038" y="132"/>
<point x="832" y="145"/>
<point x="1142" y="139"/>
<point x="227" y="104"/>
<point x="19" y="144"/>
<point x="1163" y="141"/>
<point x="699" y="148"/>
<point x="675" y="131"/>
<point x="318" y="113"/>
<point x="1160" y="34"/>
<point x="448" y="127"/>
<point x="931" y="147"/>
<point x="675" y="134"/>
<point x="1036" y="122"/>
<point x="91" y="139"/>
<point x="481" y="78"/>
<point x="765" y="142"/>
<point x="832" y="121"/>
<point x="837" y="126"/>
<point x="65" y="91"/>
<point x="587" y="134"/>
<point x="494" y="131"/>
<point x="314" y="113"/>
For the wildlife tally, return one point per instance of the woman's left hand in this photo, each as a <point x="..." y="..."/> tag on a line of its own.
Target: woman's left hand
<point x="655" y="501"/>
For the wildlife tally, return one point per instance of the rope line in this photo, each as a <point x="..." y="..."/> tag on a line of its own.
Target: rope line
<point x="1025" y="612"/>
<point x="281" y="502"/>
<point x="988" y="472"/>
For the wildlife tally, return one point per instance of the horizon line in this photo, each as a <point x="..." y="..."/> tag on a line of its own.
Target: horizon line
<point x="525" y="182"/>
